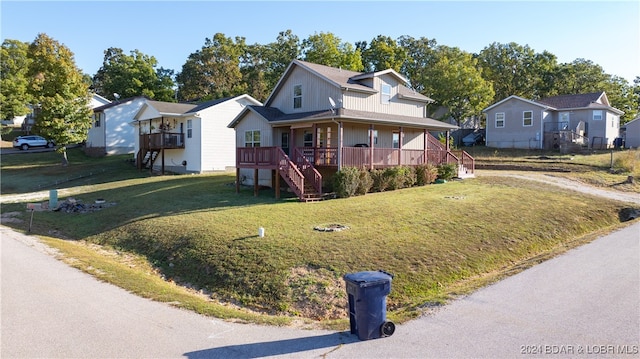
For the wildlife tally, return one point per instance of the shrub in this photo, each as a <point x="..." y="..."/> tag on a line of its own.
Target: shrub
<point x="380" y="181"/>
<point x="447" y="171"/>
<point x="365" y="182"/>
<point x="426" y="174"/>
<point x="345" y="182"/>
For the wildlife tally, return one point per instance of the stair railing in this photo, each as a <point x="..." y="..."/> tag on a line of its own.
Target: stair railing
<point x="307" y="169"/>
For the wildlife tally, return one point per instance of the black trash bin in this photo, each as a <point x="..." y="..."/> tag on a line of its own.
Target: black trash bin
<point x="367" y="293"/>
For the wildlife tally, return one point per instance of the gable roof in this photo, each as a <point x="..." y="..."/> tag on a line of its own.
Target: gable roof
<point x="575" y="101"/>
<point x="117" y="103"/>
<point x="514" y="97"/>
<point x="212" y="103"/>
<point x="274" y="116"/>
<point x="345" y="79"/>
<point x="170" y="108"/>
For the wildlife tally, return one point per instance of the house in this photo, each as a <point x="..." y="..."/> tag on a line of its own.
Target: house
<point x="319" y="119"/>
<point x="188" y="138"/>
<point x="111" y="131"/>
<point x="561" y="122"/>
<point x="632" y="133"/>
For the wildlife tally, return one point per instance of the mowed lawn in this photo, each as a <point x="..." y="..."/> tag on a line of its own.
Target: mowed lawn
<point x="438" y="241"/>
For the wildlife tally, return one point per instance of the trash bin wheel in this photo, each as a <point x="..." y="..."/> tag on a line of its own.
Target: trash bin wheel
<point x="387" y="329"/>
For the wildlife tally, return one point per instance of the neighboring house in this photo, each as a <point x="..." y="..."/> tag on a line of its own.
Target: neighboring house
<point x="561" y="122"/>
<point x="111" y="132"/>
<point x="319" y="119"/>
<point x="188" y="138"/>
<point x="97" y="101"/>
<point x="632" y="133"/>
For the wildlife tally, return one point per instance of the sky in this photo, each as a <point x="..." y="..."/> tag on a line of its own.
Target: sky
<point x="605" y="32"/>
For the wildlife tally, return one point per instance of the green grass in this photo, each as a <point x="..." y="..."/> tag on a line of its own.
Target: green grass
<point x="438" y="240"/>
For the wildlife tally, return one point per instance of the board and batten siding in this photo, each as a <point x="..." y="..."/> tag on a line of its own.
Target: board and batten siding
<point x="315" y="93"/>
<point x="218" y="146"/>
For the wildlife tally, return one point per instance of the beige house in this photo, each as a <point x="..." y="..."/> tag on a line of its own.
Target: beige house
<point x="561" y="122"/>
<point x="319" y="119"/>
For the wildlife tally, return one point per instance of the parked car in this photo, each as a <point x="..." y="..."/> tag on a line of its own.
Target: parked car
<point x="473" y="138"/>
<point x="25" y="142"/>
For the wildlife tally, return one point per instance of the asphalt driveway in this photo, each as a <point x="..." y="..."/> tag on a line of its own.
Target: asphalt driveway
<point x="581" y="304"/>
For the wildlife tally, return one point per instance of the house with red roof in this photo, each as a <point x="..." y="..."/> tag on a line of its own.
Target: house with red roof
<point x="565" y="122"/>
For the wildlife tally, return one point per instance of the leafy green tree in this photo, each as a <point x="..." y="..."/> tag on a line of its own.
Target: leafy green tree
<point x="133" y="75"/>
<point x="14" y="63"/>
<point x="213" y="71"/>
<point x="420" y="56"/>
<point x="517" y="70"/>
<point x="383" y="53"/>
<point x="61" y="93"/>
<point x="328" y="49"/>
<point x="580" y="76"/>
<point x="455" y="82"/>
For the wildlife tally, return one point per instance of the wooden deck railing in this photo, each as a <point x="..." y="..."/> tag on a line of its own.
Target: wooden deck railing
<point x="157" y="141"/>
<point x="310" y="173"/>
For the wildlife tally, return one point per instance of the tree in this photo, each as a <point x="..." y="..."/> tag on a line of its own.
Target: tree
<point x="59" y="91"/>
<point x="133" y="75"/>
<point x="517" y="70"/>
<point x="327" y="49"/>
<point x="14" y="63"/>
<point x="420" y="56"/>
<point x="213" y="71"/>
<point x="455" y="82"/>
<point x="383" y="53"/>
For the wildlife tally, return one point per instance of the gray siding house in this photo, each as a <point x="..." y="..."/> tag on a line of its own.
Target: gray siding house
<point x="319" y="119"/>
<point x="560" y="122"/>
<point x="632" y="133"/>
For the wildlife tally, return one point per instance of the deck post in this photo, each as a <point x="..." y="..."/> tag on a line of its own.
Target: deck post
<point x="277" y="181"/>
<point x="425" y="146"/>
<point x="255" y="182"/>
<point x="371" y="138"/>
<point x="400" y="144"/>
<point x="237" y="179"/>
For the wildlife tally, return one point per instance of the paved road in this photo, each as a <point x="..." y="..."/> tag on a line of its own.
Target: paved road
<point x="582" y="303"/>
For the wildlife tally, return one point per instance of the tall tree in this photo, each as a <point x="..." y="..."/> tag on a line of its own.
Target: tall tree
<point x="455" y="82"/>
<point x="14" y="63"/>
<point x="213" y="71"/>
<point x="58" y="88"/>
<point x="420" y="56"/>
<point x="328" y="49"/>
<point x="133" y="75"/>
<point x="516" y="70"/>
<point x="384" y="53"/>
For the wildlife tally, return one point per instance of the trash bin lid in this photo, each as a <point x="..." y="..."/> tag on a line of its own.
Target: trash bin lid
<point x="366" y="279"/>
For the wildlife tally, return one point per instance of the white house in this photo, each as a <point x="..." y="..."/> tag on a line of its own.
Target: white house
<point x="111" y="132"/>
<point x="187" y="138"/>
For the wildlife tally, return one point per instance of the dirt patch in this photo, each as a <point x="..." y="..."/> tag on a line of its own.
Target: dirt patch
<point x="316" y="293"/>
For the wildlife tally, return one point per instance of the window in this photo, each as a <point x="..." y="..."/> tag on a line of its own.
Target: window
<point x="396" y="140"/>
<point x="527" y="118"/>
<point x="252" y="138"/>
<point x="597" y="115"/>
<point x="307" y="139"/>
<point x="97" y="117"/>
<point x="297" y="96"/>
<point x="189" y="128"/>
<point x="385" y="94"/>
<point x="375" y="137"/>
<point x="499" y="119"/>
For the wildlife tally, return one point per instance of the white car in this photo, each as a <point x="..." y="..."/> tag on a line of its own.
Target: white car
<point x="24" y="142"/>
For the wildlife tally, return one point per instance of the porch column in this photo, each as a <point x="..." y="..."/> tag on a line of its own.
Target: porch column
<point x="371" y="144"/>
<point x="425" y="146"/>
<point x="277" y="180"/>
<point x="447" y="141"/>
<point x="400" y="136"/>
<point x="340" y="134"/>
<point x="314" y="129"/>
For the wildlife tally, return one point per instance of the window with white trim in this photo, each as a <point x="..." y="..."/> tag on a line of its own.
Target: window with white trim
<point x="499" y="119"/>
<point x="307" y="139"/>
<point x="252" y="138"/>
<point x="297" y="96"/>
<point x="385" y="94"/>
<point x="527" y="118"/>
<point x="375" y="137"/>
<point x="597" y="115"/>
<point x="396" y="140"/>
<point x="97" y="119"/>
<point x="189" y="128"/>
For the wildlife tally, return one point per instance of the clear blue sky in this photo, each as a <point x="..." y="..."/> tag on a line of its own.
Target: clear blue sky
<point x="605" y="32"/>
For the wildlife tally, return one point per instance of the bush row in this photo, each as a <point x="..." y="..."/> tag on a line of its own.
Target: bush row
<point x="353" y="181"/>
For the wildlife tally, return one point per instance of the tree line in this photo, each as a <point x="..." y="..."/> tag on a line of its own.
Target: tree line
<point x="43" y="72"/>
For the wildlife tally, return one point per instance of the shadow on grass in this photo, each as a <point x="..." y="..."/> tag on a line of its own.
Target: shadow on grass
<point x="277" y="347"/>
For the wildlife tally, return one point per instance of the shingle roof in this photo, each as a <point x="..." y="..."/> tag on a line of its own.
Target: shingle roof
<point x="274" y="116"/>
<point x="116" y="103"/>
<point x="207" y="104"/>
<point x="572" y="101"/>
<point x="171" y="107"/>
